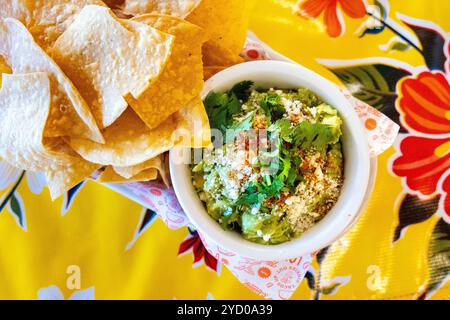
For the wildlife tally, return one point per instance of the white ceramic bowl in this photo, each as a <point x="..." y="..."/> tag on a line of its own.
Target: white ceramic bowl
<point x="269" y="74"/>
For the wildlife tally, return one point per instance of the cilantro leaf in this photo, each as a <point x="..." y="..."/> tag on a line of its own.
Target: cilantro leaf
<point x="216" y="108"/>
<point x="318" y="135"/>
<point x="234" y="106"/>
<point x="221" y="107"/>
<point x="283" y="128"/>
<point x="242" y="90"/>
<point x="257" y="192"/>
<point x="251" y="199"/>
<point x="214" y="99"/>
<point x="294" y="175"/>
<point x="272" y="106"/>
<point x="274" y="189"/>
<point x="283" y="175"/>
<point x="238" y="126"/>
<point x="250" y="196"/>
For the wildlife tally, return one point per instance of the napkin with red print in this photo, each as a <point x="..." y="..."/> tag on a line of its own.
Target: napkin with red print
<point x="270" y="279"/>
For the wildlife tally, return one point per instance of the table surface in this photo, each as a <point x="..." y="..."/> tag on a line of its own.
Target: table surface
<point x="95" y="243"/>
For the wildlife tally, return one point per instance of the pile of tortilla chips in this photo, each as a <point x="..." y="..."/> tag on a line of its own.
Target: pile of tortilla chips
<point x="109" y="87"/>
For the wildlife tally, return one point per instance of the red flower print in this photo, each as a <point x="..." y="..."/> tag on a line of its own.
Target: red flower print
<point x="199" y="251"/>
<point x="423" y="163"/>
<point x="424" y="103"/>
<point x="332" y="15"/>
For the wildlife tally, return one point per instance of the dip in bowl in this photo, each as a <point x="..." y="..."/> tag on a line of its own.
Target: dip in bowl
<point x="278" y="203"/>
<point x="277" y="166"/>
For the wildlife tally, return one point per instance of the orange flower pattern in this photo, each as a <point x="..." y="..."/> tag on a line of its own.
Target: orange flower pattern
<point x="332" y="16"/>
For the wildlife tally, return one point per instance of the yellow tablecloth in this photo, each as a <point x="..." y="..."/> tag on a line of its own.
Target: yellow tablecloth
<point x="104" y="246"/>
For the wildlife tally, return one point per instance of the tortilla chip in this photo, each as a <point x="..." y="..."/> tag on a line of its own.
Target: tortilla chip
<point x="64" y="177"/>
<point x="178" y="8"/>
<point x="209" y="71"/>
<point x="114" y="4"/>
<point x="225" y="23"/>
<point x="4" y="68"/>
<point x="108" y="59"/>
<point x="130" y="142"/>
<point x="18" y="9"/>
<point x="181" y="80"/>
<point x="24" y="109"/>
<point x="193" y="126"/>
<point x="110" y="176"/>
<point x="160" y="163"/>
<point x="46" y="19"/>
<point x="69" y="115"/>
<point x="128" y="172"/>
<point x="213" y="56"/>
<point x="117" y="7"/>
<point x="50" y="18"/>
<point x="164" y="172"/>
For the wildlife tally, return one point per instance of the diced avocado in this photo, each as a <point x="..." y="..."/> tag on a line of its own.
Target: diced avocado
<point x="329" y="116"/>
<point x="198" y="167"/>
<point x="307" y="97"/>
<point x="265" y="228"/>
<point x="198" y="181"/>
<point x="335" y="160"/>
<point x="325" y="109"/>
<point x="216" y="208"/>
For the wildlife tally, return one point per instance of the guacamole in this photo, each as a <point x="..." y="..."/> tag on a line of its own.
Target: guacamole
<point x="278" y="168"/>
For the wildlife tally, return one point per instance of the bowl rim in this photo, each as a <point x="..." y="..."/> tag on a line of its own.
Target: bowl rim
<point x="325" y="231"/>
